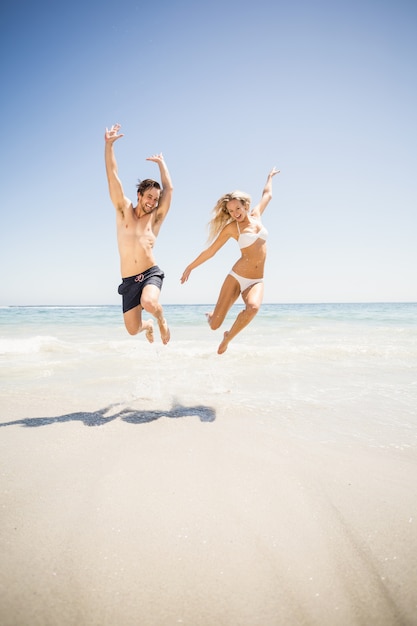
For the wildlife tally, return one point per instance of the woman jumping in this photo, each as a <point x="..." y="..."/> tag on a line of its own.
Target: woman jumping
<point x="232" y="217"/>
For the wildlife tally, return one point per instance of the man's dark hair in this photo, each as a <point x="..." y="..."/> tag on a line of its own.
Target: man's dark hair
<point x="148" y="183"/>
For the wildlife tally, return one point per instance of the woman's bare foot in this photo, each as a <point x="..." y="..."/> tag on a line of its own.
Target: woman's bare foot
<point x="223" y="346"/>
<point x="149" y="331"/>
<point x="164" y="330"/>
<point x="209" y="316"/>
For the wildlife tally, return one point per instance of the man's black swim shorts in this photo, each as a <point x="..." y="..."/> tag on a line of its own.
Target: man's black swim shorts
<point x="132" y="287"/>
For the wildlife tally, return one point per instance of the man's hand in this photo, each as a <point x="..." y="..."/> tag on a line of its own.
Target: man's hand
<point x="112" y="135"/>
<point x="156" y="158"/>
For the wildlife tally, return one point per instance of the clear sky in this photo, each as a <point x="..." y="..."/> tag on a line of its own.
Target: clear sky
<point x="324" y="90"/>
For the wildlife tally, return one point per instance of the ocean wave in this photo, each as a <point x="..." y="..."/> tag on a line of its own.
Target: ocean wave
<point x="32" y="345"/>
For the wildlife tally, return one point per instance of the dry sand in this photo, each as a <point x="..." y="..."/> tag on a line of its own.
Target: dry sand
<point x="157" y="521"/>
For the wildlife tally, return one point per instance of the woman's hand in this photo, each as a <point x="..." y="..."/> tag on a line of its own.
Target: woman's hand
<point x="185" y="275"/>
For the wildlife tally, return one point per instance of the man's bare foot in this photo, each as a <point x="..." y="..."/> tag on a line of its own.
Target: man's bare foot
<point x="149" y="331"/>
<point x="223" y="346"/>
<point x="164" y="330"/>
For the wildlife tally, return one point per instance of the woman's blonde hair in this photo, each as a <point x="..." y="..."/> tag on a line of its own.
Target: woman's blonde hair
<point x="221" y="216"/>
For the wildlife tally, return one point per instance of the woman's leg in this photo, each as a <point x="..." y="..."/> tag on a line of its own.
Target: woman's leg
<point x="252" y="298"/>
<point x="229" y="293"/>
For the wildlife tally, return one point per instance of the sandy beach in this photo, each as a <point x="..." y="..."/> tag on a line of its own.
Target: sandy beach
<point x="193" y="515"/>
<point x="150" y="485"/>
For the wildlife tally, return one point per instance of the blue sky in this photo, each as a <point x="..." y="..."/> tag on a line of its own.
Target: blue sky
<point x="326" y="91"/>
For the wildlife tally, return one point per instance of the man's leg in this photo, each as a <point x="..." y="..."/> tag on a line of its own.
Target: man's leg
<point x="150" y="302"/>
<point x="134" y="324"/>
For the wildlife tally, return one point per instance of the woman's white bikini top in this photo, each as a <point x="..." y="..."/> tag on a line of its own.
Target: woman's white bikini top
<point x="247" y="239"/>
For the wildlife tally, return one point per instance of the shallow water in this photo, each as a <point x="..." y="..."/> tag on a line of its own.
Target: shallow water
<point x="328" y="372"/>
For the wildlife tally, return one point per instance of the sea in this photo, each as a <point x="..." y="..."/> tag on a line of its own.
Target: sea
<point x="321" y="371"/>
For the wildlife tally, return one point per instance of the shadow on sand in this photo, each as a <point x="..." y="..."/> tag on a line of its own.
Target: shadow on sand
<point x="132" y="416"/>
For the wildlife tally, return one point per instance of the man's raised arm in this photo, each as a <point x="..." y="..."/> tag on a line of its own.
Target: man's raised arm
<point x="167" y="187"/>
<point x="115" y="186"/>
